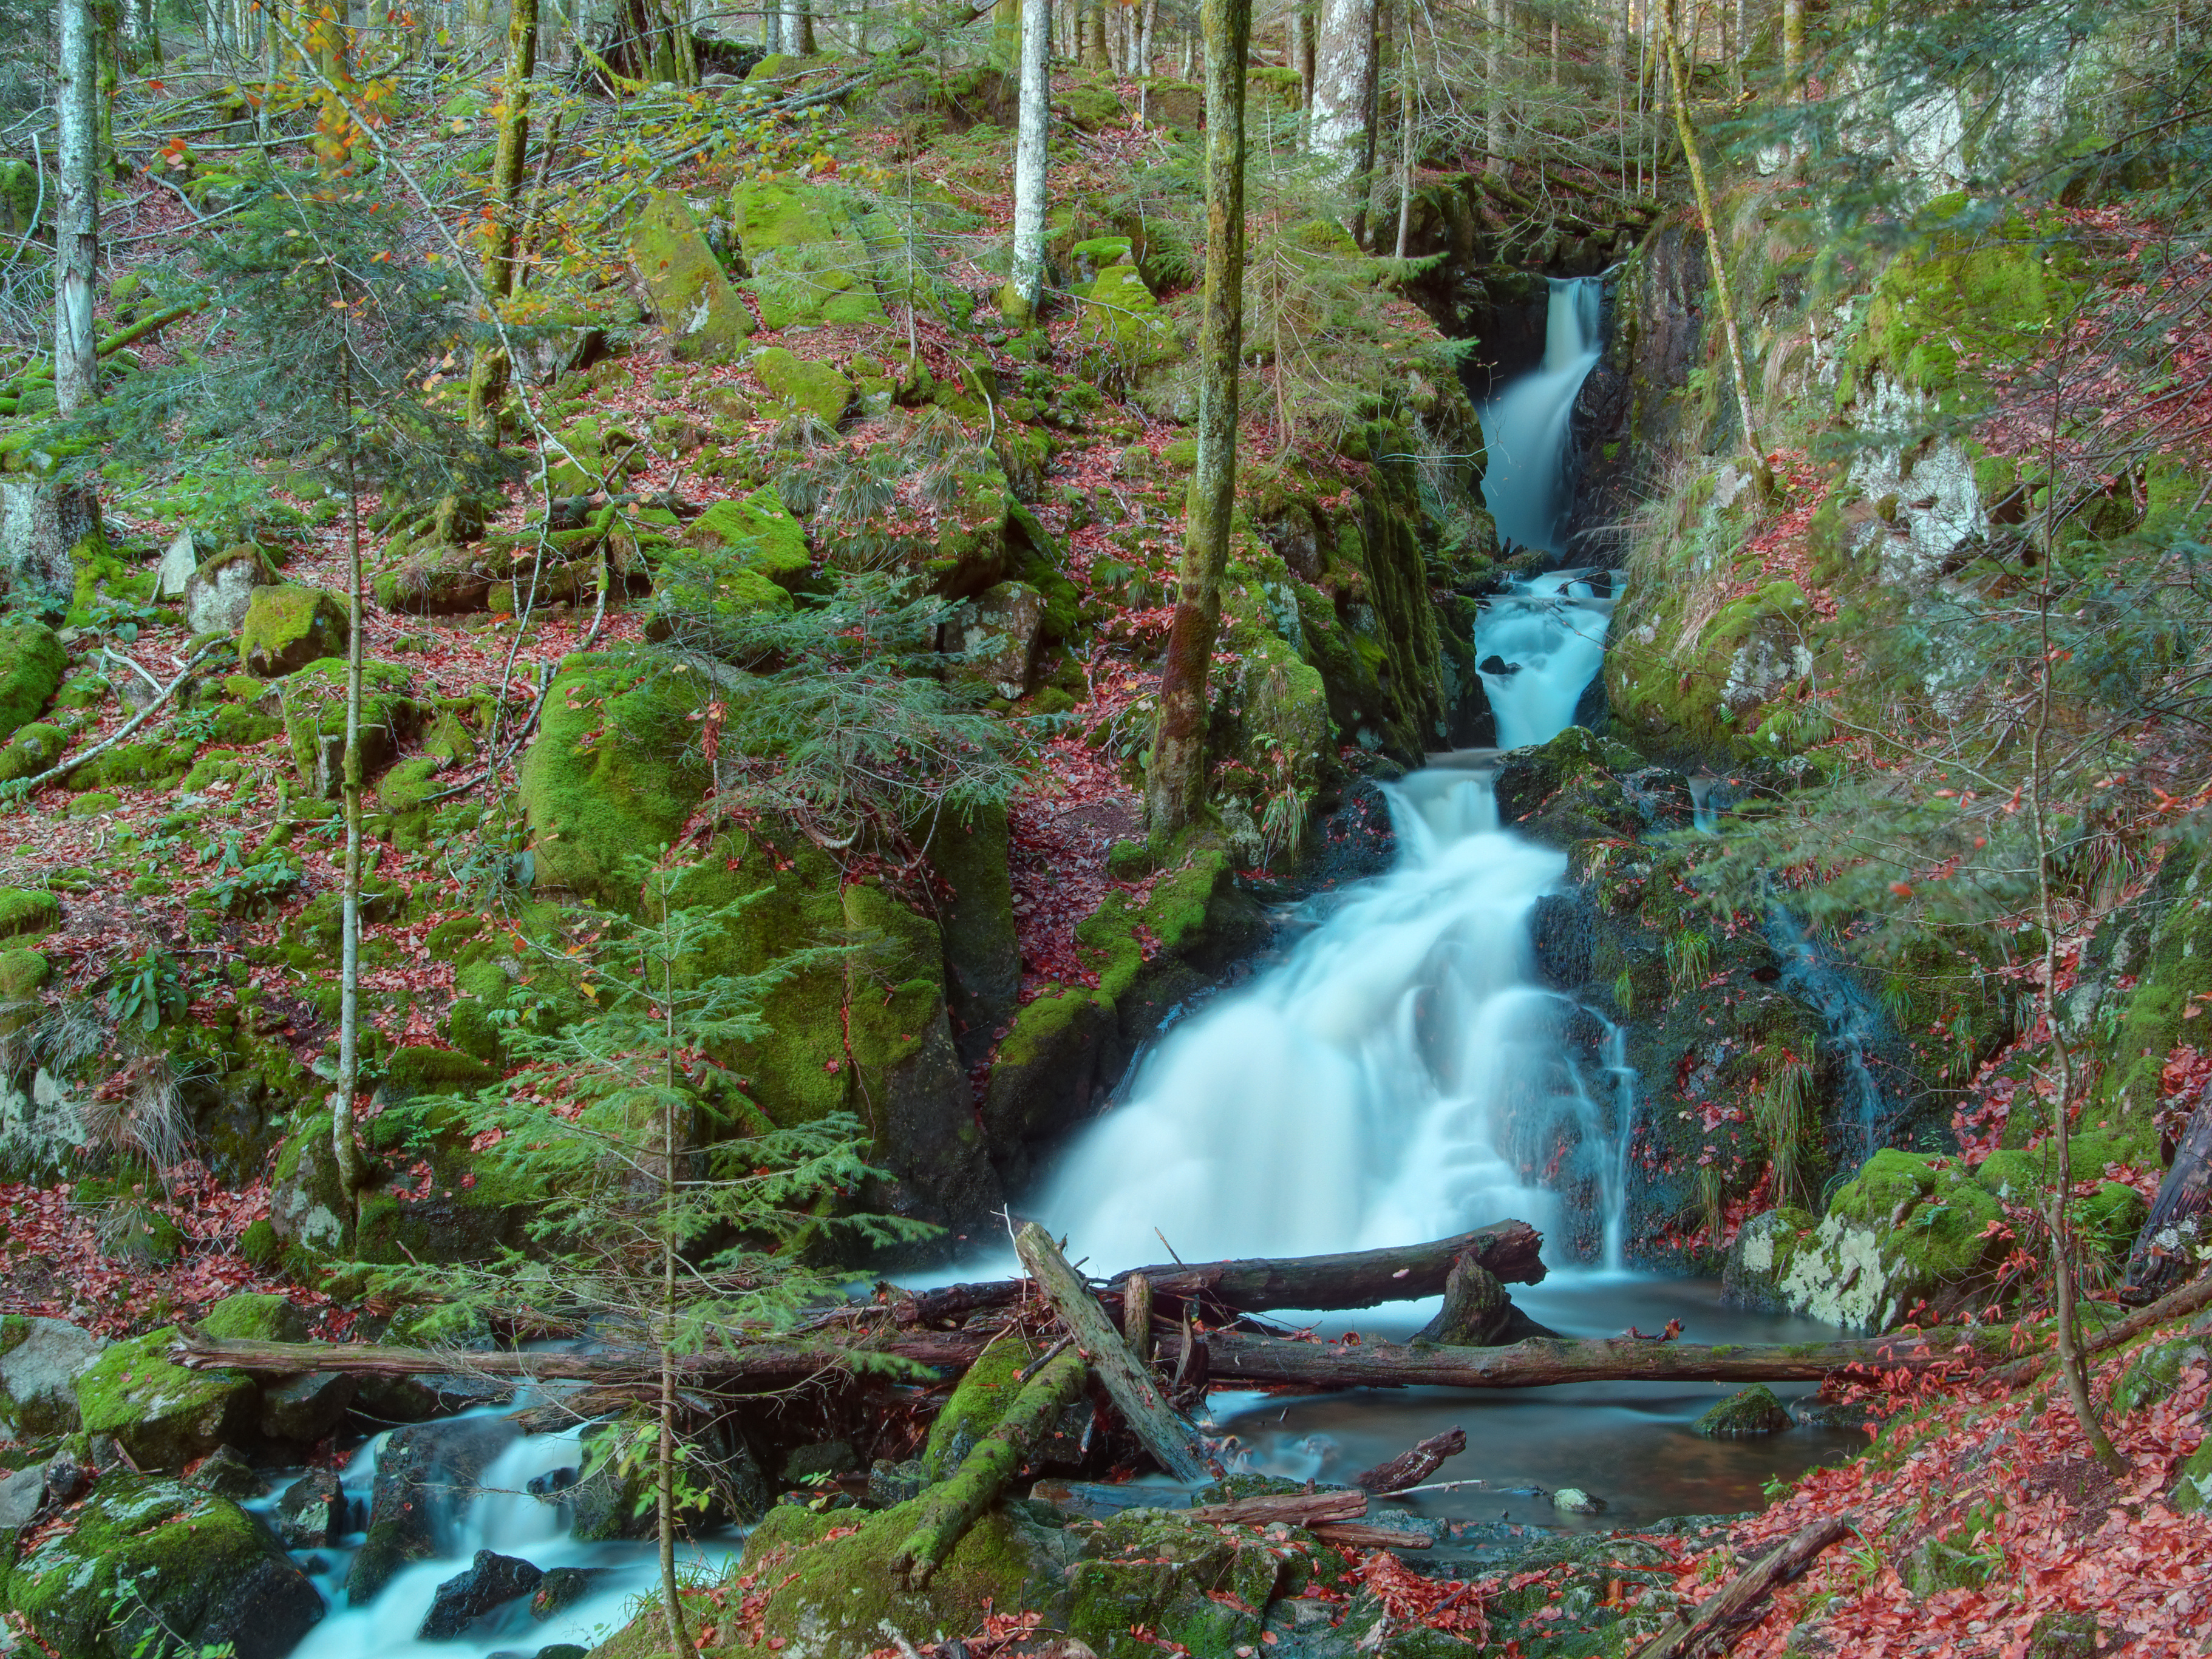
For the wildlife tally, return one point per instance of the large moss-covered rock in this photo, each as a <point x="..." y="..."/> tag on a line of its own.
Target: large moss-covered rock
<point x="287" y="628"/>
<point x="41" y="1360"/>
<point x="204" y="1572"/>
<point x="1906" y="1239"/>
<point x="162" y="1414"/>
<point x="806" y="247"/>
<point x="256" y="1317"/>
<point x="307" y="1206"/>
<point x="758" y="531"/>
<point x="1759" y="1259"/>
<point x="25" y="912"/>
<point x="702" y="314"/>
<point x="743" y="554"/>
<point x="31" y="664"/>
<point x="1751" y="1414"/>
<point x="1567" y="789"/>
<point x="801" y="385"/>
<point x="614" y="771"/>
<point x="313" y="699"/>
<point x="218" y="592"/>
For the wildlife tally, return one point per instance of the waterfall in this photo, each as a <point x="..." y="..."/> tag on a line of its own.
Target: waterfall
<point x="1537" y="646"/>
<point x="1526" y="426"/>
<point x="1402" y="1075"/>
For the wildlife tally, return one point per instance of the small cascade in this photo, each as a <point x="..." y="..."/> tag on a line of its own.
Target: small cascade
<point x="1854" y="1023"/>
<point x="1402" y="1074"/>
<point x="1528" y="427"/>
<point x="1538" y="645"/>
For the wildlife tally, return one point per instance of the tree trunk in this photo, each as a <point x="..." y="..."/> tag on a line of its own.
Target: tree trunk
<point x="952" y="1505"/>
<point x="1136" y="1393"/>
<point x="1176" y="783"/>
<point x="1355" y="1278"/>
<point x="1343" y="67"/>
<point x="345" y="1155"/>
<point x="1094" y="37"/>
<point x="807" y="46"/>
<point x="1723" y="294"/>
<point x="76" y="230"/>
<point x="488" y="373"/>
<point x="1410" y="1469"/>
<point x="1729" y="1609"/>
<point x="1493" y="93"/>
<point x="1144" y="38"/>
<point x="1405" y="129"/>
<point x="1024" y="289"/>
<point x="1793" y="49"/>
<point x="2175" y="1225"/>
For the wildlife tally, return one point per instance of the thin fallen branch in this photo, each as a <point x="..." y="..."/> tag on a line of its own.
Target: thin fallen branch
<point x="2177" y="1304"/>
<point x="1410" y="1469"/>
<point x="68" y="763"/>
<point x="1739" y="1602"/>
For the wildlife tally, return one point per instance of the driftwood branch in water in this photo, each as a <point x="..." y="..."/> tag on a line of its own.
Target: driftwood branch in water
<point x="1738" y="1602"/>
<point x="1292" y="1509"/>
<point x="950" y="1507"/>
<point x="1410" y="1469"/>
<point x="1136" y="1393"/>
<point x="1356" y="1278"/>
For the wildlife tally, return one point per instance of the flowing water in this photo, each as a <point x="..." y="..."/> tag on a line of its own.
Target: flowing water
<point x="1398" y="1076"/>
<point x="1526" y="427"/>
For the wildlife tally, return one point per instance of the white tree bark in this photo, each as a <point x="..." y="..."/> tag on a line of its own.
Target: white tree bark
<point x="76" y="241"/>
<point x="1343" y="71"/>
<point x="1144" y="36"/>
<point x="1026" y="286"/>
<point x="1493" y="73"/>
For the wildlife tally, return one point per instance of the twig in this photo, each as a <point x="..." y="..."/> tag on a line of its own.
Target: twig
<point x="70" y="763"/>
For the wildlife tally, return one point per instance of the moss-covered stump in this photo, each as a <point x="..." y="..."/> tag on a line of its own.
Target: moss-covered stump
<point x="288" y="627"/>
<point x="613" y="773"/>
<point x="1908" y="1238"/>
<point x="699" y="310"/>
<point x="41" y="1360"/>
<point x="205" y="1573"/>
<point x="808" y="252"/>
<point x="160" y="1414"/>
<point x="1750" y="1415"/>
<point x="831" y="1594"/>
<point x="32" y="662"/>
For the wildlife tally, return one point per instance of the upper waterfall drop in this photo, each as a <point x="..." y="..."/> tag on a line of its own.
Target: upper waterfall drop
<point x="1526" y="426"/>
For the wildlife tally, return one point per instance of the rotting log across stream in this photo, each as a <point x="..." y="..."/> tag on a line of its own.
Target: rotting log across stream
<point x="897" y="1324"/>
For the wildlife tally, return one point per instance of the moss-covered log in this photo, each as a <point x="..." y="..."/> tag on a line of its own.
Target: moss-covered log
<point x="951" y="1507"/>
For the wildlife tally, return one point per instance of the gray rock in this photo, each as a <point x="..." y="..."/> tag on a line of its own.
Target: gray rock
<point x="999" y="629"/>
<point x="491" y="1581"/>
<point x="892" y="1484"/>
<point x="177" y="567"/>
<point x="40" y="1362"/>
<point x="22" y="1494"/>
<point x="223" y="1472"/>
<point x="311" y="1514"/>
<point x="66" y="1478"/>
<point x="305" y="1408"/>
<point x="1573" y="1501"/>
<point x="425" y="1477"/>
<point x="219" y="593"/>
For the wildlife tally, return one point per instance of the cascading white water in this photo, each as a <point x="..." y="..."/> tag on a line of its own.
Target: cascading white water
<point x="1525" y="427"/>
<point x="1402" y="1075"/>
<point x="1537" y="646"/>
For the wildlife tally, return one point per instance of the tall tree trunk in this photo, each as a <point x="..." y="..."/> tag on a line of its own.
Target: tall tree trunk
<point x="1025" y="289"/>
<point x="1094" y="37"/>
<point x="680" y="1638"/>
<point x="806" y="46"/>
<point x="1144" y="38"/>
<point x="76" y="227"/>
<point x="1405" y="129"/>
<point x="1725" y="296"/>
<point x="1493" y="92"/>
<point x="1793" y="49"/>
<point x="1344" y="70"/>
<point x="1375" y="164"/>
<point x="345" y="1153"/>
<point x="488" y="373"/>
<point x="1176" y="783"/>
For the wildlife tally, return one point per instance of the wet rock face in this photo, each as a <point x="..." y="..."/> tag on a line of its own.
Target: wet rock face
<point x="425" y="1476"/>
<point x="492" y="1581"/>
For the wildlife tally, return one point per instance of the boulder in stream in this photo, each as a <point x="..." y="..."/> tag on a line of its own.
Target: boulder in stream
<point x="1749" y="1415"/>
<point x="425" y="1476"/>
<point x="492" y="1581"/>
<point x="311" y="1514"/>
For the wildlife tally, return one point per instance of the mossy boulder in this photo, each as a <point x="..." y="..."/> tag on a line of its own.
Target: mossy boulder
<point x="1908" y="1238"/>
<point x="256" y="1317"/>
<point x="698" y="307"/>
<point x="32" y="661"/>
<point x="31" y="750"/>
<point x="1567" y="789"/>
<point x="287" y="628"/>
<point x="27" y="913"/>
<point x="313" y="699"/>
<point x="162" y="1414"/>
<point x="613" y="773"/>
<point x="41" y="1360"/>
<point x="219" y="592"/>
<point x="1206" y="1589"/>
<point x="205" y="1573"/>
<point x="1750" y="1415"/>
<point x="807" y="248"/>
<point x="1120" y="312"/>
<point x="801" y="384"/>
<point x="1759" y="1259"/>
<point x="307" y="1206"/>
<point x="743" y="554"/>
<point x="829" y="1596"/>
<point x="758" y="531"/>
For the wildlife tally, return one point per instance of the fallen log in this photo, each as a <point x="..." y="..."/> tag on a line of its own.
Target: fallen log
<point x="1410" y="1469"/>
<point x="952" y="1506"/>
<point x="1356" y="1278"/>
<point x="1246" y="1357"/>
<point x="1356" y="1536"/>
<point x="1738" y="1602"/>
<point x="2175" y="1305"/>
<point x="1135" y="1392"/>
<point x="1289" y="1508"/>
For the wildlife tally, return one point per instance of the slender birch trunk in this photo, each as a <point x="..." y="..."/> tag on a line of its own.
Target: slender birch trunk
<point x="76" y="229"/>
<point x="1405" y="129"/>
<point x="1494" y="74"/>
<point x="1344" y="70"/>
<point x="1025" y="289"/>
<point x="1174" y="786"/>
<point x="1793" y="50"/>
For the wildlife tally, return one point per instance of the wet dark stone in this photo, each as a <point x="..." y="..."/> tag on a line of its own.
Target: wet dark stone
<point x="492" y="1580"/>
<point x="559" y="1590"/>
<point x="311" y="1514"/>
<point x="553" y="1480"/>
<point x="66" y="1478"/>
<point x="1494" y="663"/>
<point x="226" y="1474"/>
<point x="1562" y="932"/>
<point x="425" y="1477"/>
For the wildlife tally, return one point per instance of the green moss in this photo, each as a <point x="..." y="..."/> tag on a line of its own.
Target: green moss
<point x="758" y="531"/>
<point x="31" y="751"/>
<point x="255" y="1317"/>
<point x="288" y="627"/>
<point x="22" y="973"/>
<point x="162" y="1414"/>
<point x="1991" y="294"/>
<point x="412" y="1073"/>
<point x="1204" y="1588"/>
<point x="28" y="912"/>
<point x="806" y="247"/>
<point x="2191" y="1491"/>
<point x="2155" y="1373"/>
<point x="136" y="764"/>
<point x="612" y="774"/>
<point x="1935" y="1217"/>
<point x="1748" y="1415"/>
<point x="986" y="1390"/>
<point x="31" y="664"/>
<point x="1119" y="311"/>
<point x="260" y="1246"/>
<point x="705" y="319"/>
<point x="800" y="384"/>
